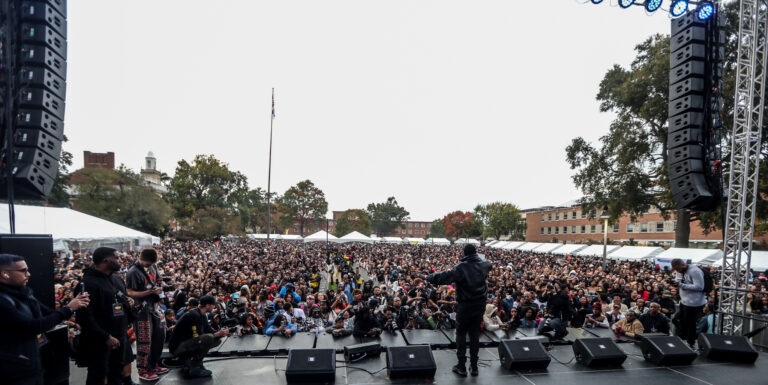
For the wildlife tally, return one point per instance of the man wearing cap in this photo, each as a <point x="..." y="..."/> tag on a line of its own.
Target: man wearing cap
<point x="24" y="322"/>
<point x="193" y="337"/>
<point x="470" y="278"/>
<point x="104" y="345"/>
<point x="145" y="286"/>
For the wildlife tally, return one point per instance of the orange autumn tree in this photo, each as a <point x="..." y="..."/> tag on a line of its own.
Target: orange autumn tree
<point x="460" y="224"/>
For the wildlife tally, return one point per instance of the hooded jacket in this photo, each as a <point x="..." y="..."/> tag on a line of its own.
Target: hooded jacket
<point x="471" y="278"/>
<point x="492" y="322"/>
<point x="21" y="321"/>
<point x="97" y="319"/>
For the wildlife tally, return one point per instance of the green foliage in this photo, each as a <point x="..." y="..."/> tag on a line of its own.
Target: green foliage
<point x="437" y="230"/>
<point x="353" y="220"/>
<point x="210" y="223"/>
<point x="499" y="218"/>
<point x="205" y="183"/>
<point x="386" y="217"/>
<point x="303" y="202"/>
<point x="120" y="196"/>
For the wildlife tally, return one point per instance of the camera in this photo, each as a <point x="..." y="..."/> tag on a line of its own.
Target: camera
<point x="232" y="330"/>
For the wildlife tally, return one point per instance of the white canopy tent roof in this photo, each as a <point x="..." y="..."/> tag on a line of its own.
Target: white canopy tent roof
<point x="548" y="247"/>
<point x="320" y="236"/>
<point x="759" y="262"/>
<point x="513" y="245"/>
<point x="462" y="241"/>
<point x="374" y="238"/>
<point x="491" y="243"/>
<point x="570" y="248"/>
<point x="635" y="253"/>
<point x="414" y="241"/>
<point x="74" y="230"/>
<point x="697" y="256"/>
<point x="530" y="246"/>
<point x="499" y="245"/>
<point x="354" y="237"/>
<point x="290" y="237"/>
<point x="391" y="240"/>
<point x="594" y="250"/>
<point x="438" y="241"/>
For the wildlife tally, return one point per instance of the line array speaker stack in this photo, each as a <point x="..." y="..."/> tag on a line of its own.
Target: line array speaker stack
<point x="695" y="111"/>
<point x="33" y="94"/>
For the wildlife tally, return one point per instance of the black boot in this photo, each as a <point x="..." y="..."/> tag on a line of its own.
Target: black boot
<point x="473" y="369"/>
<point x="460" y="370"/>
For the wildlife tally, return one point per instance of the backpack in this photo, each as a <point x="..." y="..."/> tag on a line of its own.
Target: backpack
<point x="708" y="283"/>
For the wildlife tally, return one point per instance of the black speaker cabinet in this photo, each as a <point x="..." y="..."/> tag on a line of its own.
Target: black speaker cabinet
<point x="666" y="350"/>
<point x="37" y="250"/>
<point x="311" y="365"/>
<point x="362" y="351"/>
<point x="727" y="348"/>
<point x="598" y="352"/>
<point x="414" y="361"/>
<point x="55" y="356"/>
<point x="523" y="354"/>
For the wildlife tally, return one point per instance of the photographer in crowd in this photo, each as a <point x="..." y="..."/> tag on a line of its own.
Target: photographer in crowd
<point x="24" y="322"/>
<point x="193" y="337"/>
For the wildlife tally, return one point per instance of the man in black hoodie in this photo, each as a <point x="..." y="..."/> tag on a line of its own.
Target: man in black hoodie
<point x="104" y="345"/>
<point x="23" y="323"/>
<point x="471" y="280"/>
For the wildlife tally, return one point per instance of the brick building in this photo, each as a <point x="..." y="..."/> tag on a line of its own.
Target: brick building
<point x="99" y="159"/>
<point x="571" y="225"/>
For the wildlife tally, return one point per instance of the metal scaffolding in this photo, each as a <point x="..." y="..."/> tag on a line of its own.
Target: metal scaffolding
<point x="744" y="164"/>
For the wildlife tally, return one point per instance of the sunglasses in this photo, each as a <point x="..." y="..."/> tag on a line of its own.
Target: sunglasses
<point x="22" y="271"/>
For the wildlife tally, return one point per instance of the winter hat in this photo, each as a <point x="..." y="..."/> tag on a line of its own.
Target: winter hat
<point x="470" y="249"/>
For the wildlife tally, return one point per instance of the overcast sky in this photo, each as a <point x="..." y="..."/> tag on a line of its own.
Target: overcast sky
<point x="443" y="104"/>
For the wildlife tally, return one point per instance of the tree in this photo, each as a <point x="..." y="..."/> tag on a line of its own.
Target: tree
<point x="499" y="218"/>
<point x="352" y="220"/>
<point x="304" y="202"/>
<point x="205" y="183"/>
<point x="437" y="230"/>
<point x="386" y="217"/>
<point x="460" y="224"/>
<point x="120" y="196"/>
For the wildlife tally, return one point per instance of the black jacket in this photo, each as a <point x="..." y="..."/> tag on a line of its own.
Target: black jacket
<point x="21" y="321"/>
<point x="191" y="325"/>
<point x="471" y="278"/>
<point x="559" y="305"/>
<point x="98" y="321"/>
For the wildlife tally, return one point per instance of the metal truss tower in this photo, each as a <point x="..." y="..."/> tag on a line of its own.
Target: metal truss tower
<point x="744" y="163"/>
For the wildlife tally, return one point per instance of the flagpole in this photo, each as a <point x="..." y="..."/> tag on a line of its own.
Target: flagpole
<point x="269" y="173"/>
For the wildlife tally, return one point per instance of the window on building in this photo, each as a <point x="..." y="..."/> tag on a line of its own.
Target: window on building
<point x="557" y="216"/>
<point x="592" y="229"/>
<point x="565" y="216"/>
<point x="549" y="230"/>
<point x="615" y="227"/>
<point x="583" y="229"/>
<point x="543" y="218"/>
<point x="644" y="227"/>
<point x="557" y="229"/>
<point x="630" y="227"/>
<point x="295" y="229"/>
<point x="573" y="229"/>
<point x="549" y="217"/>
<point x="583" y="215"/>
<point x="659" y="227"/>
<point x="565" y="229"/>
<point x="573" y="214"/>
<point x="542" y="230"/>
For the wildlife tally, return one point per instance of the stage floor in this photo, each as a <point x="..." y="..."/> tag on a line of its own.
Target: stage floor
<point x="233" y="368"/>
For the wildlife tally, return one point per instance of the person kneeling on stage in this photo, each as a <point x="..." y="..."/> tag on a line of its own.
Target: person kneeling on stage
<point x="628" y="326"/>
<point x="193" y="337"/>
<point x="550" y="324"/>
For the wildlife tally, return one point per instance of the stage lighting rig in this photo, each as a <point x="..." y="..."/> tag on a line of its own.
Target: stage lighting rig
<point x="678" y="8"/>
<point x="626" y="3"/>
<point x="705" y="10"/>
<point x="653" y="5"/>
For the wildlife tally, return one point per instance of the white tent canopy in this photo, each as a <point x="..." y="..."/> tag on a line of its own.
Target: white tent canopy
<point x="596" y="250"/>
<point x="374" y="238"/>
<point x="759" y="262"/>
<point x="462" y="241"/>
<point x="635" y="253"/>
<point x="74" y="230"/>
<point x="548" y="247"/>
<point x="491" y="243"/>
<point x="320" y="236"/>
<point x="499" y="245"/>
<point x="354" y="237"/>
<point x="391" y="240"/>
<point x="438" y="241"/>
<point x="290" y="237"/>
<point x="513" y="245"/>
<point x="697" y="256"/>
<point x="414" y="241"/>
<point x="570" y="248"/>
<point x="530" y="246"/>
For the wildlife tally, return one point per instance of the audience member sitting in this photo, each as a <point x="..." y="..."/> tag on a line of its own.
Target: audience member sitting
<point x="617" y="302"/>
<point x="491" y="320"/>
<point x="615" y="315"/>
<point x="366" y="324"/>
<point x="596" y="318"/>
<point x="707" y="322"/>
<point x="654" y="321"/>
<point x="338" y="329"/>
<point x="248" y="327"/>
<point x="629" y="326"/>
<point x="281" y="327"/>
<point x="639" y="307"/>
<point x="529" y="319"/>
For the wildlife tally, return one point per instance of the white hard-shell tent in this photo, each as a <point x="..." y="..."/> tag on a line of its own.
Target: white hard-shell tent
<point x="530" y="246"/>
<point x="320" y="236"/>
<point x="569" y="248"/>
<point x="635" y="253"/>
<point x="595" y="250"/>
<point x="758" y="263"/>
<point x="696" y="256"/>
<point x="513" y="245"/>
<point x="462" y="241"/>
<point x="74" y="230"/>
<point x="391" y="240"/>
<point x="354" y="237"/>
<point x="438" y="241"/>
<point x="414" y="241"/>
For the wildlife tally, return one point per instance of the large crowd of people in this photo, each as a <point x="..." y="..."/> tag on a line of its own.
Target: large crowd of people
<point x="281" y="288"/>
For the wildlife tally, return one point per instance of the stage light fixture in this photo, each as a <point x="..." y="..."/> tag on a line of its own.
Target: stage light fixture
<point x="626" y="3"/>
<point x="652" y="5"/>
<point x="706" y="10"/>
<point x="679" y="7"/>
<point x="596" y="1"/>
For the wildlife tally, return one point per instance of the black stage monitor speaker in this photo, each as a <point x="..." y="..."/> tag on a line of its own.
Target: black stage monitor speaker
<point x="37" y="250"/>
<point x="311" y="365"/>
<point x="666" y="350"/>
<point x="415" y="361"/>
<point x="727" y="348"/>
<point x="523" y="354"/>
<point x="362" y="351"/>
<point x="598" y="352"/>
